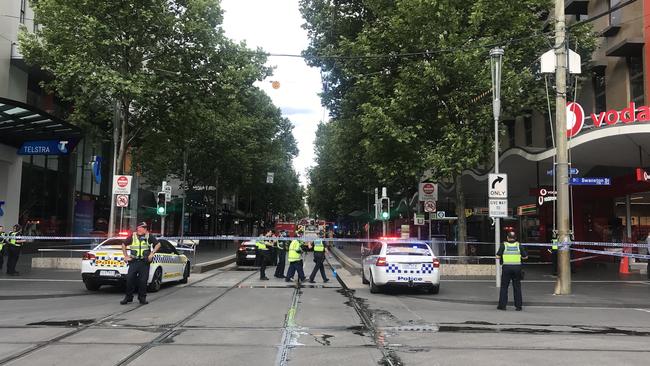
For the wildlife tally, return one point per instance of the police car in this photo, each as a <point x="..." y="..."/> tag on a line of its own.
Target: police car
<point x="395" y="262"/>
<point x="105" y="265"/>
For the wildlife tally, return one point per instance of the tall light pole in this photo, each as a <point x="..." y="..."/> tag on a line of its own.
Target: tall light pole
<point x="496" y="57"/>
<point x="563" y="285"/>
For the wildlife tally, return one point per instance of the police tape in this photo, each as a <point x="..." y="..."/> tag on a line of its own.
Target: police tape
<point x="614" y="254"/>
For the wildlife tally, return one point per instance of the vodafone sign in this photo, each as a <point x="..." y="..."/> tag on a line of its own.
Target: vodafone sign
<point x="576" y="117"/>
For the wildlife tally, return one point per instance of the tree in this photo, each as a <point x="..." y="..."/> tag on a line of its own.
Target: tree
<point x="405" y="73"/>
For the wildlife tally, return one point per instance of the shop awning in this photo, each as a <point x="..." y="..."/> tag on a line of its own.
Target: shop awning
<point x="628" y="47"/>
<point x="20" y="122"/>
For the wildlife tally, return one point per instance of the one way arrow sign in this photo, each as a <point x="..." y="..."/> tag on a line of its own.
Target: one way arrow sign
<point x="498" y="186"/>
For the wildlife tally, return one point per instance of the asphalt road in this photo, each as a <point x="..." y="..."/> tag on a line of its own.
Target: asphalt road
<point x="229" y="317"/>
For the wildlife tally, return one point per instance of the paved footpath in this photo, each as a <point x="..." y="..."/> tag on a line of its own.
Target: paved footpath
<point x="229" y="317"/>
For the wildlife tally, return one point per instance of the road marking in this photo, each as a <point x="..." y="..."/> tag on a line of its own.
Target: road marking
<point x="644" y="310"/>
<point x="554" y="281"/>
<point x="36" y="280"/>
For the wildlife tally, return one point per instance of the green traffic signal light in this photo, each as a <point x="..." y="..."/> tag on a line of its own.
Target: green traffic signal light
<point x="384" y="215"/>
<point x="161" y="210"/>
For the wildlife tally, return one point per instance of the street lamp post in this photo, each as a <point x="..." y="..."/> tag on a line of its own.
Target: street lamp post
<point x="496" y="57"/>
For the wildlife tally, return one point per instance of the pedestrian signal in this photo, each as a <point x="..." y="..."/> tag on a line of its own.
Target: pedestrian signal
<point x="161" y="204"/>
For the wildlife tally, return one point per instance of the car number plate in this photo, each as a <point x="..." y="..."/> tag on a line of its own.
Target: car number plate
<point x="250" y="256"/>
<point x="411" y="266"/>
<point x="107" y="273"/>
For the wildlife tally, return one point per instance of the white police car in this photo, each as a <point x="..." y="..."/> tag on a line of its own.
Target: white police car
<point x="395" y="262"/>
<point x="105" y="265"/>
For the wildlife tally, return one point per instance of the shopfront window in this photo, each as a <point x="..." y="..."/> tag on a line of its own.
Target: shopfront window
<point x="510" y="128"/>
<point x="635" y="67"/>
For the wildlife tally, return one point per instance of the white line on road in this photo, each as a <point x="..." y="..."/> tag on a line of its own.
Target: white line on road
<point x="36" y="280"/>
<point x="553" y="281"/>
<point x="644" y="310"/>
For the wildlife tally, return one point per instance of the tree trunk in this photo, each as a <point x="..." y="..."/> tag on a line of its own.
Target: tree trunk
<point x="124" y="121"/>
<point x="462" y="221"/>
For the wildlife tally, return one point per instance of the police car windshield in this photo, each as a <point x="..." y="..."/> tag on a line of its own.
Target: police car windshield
<point x="111" y="244"/>
<point x="407" y="249"/>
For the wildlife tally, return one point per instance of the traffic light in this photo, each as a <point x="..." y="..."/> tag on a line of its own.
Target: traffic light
<point x="385" y="208"/>
<point x="161" y="204"/>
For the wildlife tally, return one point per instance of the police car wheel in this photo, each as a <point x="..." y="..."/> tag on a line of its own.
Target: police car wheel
<point x="91" y="285"/>
<point x="186" y="273"/>
<point x="374" y="289"/>
<point x="364" y="280"/>
<point x="156" y="281"/>
<point x="434" y="289"/>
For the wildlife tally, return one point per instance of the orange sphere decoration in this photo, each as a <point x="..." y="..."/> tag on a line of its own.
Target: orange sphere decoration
<point x="275" y="84"/>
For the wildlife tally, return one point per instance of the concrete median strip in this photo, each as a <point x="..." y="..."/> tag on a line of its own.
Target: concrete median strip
<point x="210" y="265"/>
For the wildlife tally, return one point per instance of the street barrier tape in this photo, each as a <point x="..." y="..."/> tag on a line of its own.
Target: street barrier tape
<point x="614" y="254"/>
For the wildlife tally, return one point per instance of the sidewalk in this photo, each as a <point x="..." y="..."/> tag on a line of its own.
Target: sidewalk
<point x="592" y="286"/>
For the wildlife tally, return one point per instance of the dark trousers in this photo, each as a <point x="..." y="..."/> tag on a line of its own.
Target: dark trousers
<point x="138" y="275"/>
<point x="261" y="257"/>
<point x="295" y="267"/>
<point x="554" y="260"/>
<point x="13" y="252"/>
<point x="279" y="270"/>
<point x="319" y="259"/>
<point x="508" y="273"/>
<point x="2" y="255"/>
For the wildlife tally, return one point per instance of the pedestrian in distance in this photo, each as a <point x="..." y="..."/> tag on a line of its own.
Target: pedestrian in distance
<point x="13" y="250"/>
<point x="282" y="254"/>
<point x="3" y="242"/>
<point x="511" y="254"/>
<point x="319" y="259"/>
<point x="294" y="256"/>
<point x="139" y="250"/>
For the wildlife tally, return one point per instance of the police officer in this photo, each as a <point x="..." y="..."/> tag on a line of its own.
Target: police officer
<point x="319" y="259"/>
<point x="142" y="248"/>
<point x="294" y="256"/>
<point x="282" y="254"/>
<point x="13" y="250"/>
<point x="3" y="241"/>
<point x="511" y="253"/>
<point x="262" y="256"/>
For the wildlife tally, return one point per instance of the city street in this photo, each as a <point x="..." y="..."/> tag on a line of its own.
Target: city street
<point x="228" y="316"/>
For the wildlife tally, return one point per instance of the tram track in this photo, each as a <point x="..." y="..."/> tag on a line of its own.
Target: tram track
<point x="98" y="322"/>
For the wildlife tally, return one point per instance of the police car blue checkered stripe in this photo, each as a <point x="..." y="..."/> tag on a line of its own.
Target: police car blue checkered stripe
<point x="427" y="268"/>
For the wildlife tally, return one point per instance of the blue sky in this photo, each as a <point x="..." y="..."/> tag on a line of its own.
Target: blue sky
<point x="275" y="25"/>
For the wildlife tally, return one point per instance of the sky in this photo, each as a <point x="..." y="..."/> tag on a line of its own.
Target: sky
<point x="275" y="26"/>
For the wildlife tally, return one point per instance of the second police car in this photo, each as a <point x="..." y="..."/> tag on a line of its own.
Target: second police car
<point x="396" y="262"/>
<point x="105" y="265"/>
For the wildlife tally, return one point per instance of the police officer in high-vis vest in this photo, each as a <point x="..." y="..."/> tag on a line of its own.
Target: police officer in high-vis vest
<point x="3" y="237"/>
<point x="319" y="259"/>
<point x="294" y="257"/>
<point x="511" y="253"/>
<point x="13" y="250"/>
<point x="262" y="253"/>
<point x="141" y="248"/>
<point x="282" y="254"/>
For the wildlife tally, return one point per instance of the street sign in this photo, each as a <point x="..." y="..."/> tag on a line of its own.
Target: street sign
<point x="428" y="191"/>
<point x="418" y="219"/>
<point x="498" y="186"/>
<point x="122" y="200"/>
<point x="590" y="181"/>
<point x="122" y="184"/>
<point x="405" y="230"/>
<point x="430" y="206"/>
<point x="168" y="191"/>
<point x="440" y="214"/>
<point x="525" y="210"/>
<point x="498" y="208"/>
<point x="572" y="171"/>
<point x="269" y="177"/>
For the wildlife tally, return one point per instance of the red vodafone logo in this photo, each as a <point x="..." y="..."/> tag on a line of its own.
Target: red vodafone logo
<point x="429" y="188"/>
<point x="122" y="181"/>
<point x="575" y="119"/>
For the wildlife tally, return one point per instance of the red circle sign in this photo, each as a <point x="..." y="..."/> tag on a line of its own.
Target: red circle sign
<point x="429" y="188"/>
<point x="122" y="181"/>
<point x="575" y="119"/>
